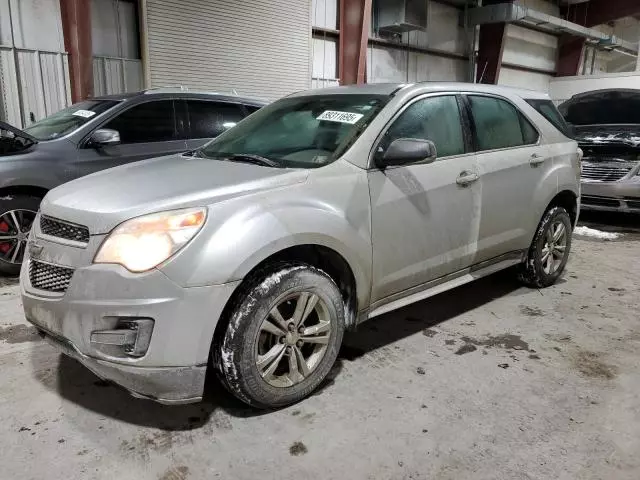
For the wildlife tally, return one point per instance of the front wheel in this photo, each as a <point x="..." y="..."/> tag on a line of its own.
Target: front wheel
<point x="283" y="337"/>
<point x="16" y="217"/>
<point x="549" y="250"/>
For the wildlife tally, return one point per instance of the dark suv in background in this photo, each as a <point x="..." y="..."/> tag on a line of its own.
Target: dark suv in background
<point x="94" y="135"/>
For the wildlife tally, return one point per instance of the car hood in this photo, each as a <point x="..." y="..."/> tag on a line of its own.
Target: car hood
<point x="13" y="140"/>
<point x="105" y="199"/>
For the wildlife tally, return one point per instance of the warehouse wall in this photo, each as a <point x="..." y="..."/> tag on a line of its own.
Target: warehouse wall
<point x="324" y="49"/>
<point x="116" y="48"/>
<point x="529" y="48"/>
<point x="34" y="70"/>
<point x="391" y="64"/>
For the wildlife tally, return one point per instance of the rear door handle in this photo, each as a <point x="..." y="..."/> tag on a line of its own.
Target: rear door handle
<point x="467" y="178"/>
<point x="536" y="159"/>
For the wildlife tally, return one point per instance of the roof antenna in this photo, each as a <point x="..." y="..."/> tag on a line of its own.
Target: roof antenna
<point x="234" y="92"/>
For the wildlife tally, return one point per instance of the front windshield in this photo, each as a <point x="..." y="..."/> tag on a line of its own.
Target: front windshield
<point x="69" y="119"/>
<point x="300" y="132"/>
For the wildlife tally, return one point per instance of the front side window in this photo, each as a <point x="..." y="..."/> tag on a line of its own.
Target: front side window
<point x="148" y="122"/>
<point x="499" y="124"/>
<point x="69" y="120"/>
<point x="436" y="119"/>
<point x="210" y="119"/>
<point x="304" y="132"/>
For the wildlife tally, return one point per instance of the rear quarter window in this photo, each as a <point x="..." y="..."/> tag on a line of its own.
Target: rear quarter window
<point x="548" y="110"/>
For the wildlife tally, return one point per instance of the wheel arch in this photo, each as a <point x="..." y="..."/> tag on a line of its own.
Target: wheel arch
<point x="27" y="190"/>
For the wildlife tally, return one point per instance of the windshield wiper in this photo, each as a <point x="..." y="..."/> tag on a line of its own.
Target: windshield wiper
<point x="254" y="159"/>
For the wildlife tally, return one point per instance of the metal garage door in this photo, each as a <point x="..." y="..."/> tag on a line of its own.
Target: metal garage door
<point x="257" y="47"/>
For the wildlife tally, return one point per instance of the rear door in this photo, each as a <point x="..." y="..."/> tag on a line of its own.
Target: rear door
<point x="208" y="119"/>
<point x="512" y="162"/>
<point x="146" y="130"/>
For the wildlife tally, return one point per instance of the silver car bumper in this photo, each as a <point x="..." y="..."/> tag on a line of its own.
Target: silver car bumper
<point x="621" y="196"/>
<point x="171" y="367"/>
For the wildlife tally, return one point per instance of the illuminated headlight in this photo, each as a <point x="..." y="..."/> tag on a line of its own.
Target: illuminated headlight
<point x="143" y="243"/>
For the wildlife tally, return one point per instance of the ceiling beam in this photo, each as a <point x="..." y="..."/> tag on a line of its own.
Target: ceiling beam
<point x="598" y="12"/>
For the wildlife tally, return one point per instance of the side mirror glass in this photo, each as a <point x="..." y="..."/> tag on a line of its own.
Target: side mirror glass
<point x="104" y="137"/>
<point x="407" y="150"/>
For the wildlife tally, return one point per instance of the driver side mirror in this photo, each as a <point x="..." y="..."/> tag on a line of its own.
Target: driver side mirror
<point x="104" y="137"/>
<point x="406" y="150"/>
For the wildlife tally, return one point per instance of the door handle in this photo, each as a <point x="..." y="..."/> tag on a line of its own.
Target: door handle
<point x="467" y="178"/>
<point x="536" y="159"/>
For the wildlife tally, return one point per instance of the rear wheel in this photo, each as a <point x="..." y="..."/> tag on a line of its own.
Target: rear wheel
<point x="549" y="250"/>
<point x="283" y="337"/>
<point x="17" y="214"/>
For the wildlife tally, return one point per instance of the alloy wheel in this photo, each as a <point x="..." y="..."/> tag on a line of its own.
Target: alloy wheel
<point x="15" y="226"/>
<point x="555" y="247"/>
<point x="293" y="339"/>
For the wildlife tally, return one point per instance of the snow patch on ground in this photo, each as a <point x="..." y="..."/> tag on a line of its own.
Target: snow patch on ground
<point x="593" y="233"/>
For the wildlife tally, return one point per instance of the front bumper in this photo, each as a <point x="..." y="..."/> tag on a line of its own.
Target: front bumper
<point x="99" y="297"/>
<point x="621" y="196"/>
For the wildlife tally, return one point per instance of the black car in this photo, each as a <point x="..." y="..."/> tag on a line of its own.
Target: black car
<point x="96" y="134"/>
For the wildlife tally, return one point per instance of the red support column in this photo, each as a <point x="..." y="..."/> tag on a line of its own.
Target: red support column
<point x="76" y="27"/>
<point x="490" y="48"/>
<point x="355" y="21"/>
<point x="569" y="55"/>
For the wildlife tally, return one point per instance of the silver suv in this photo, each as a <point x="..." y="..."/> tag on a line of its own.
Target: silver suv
<point x="254" y="254"/>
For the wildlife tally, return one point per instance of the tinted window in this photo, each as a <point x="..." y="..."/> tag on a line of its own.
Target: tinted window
<point x="499" y="124"/>
<point x="252" y="109"/>
<point x="210" y="119"/>
<point x="436" y="119"/>
<point x="149" y="122"/>
<point x="548" y="110"/>
<point x="69" y="119"/>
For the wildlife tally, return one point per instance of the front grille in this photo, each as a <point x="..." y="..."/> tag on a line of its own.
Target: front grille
<point x="633" y="203"/>
<point x="605" y="173"/>
<point x="68" y="231"/>
<point x="51" y="278"/>
<point x="600" y="201"/>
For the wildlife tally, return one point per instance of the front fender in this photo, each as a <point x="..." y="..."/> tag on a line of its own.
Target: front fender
<point x="241" y="234"/>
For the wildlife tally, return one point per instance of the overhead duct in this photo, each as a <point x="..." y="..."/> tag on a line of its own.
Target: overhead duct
<point x="401" y="16"/>
<point x="523" y="16"/>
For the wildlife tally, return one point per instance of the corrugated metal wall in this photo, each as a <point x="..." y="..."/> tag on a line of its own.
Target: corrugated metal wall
<point x="324" y="48"/>
<point x="116" y="51"/>
<point x="257" y="47"/>
<point x="34" y="69"/>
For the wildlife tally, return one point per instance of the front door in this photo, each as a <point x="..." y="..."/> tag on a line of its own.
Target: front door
<point x="425" y="217"/>
<point x="146" y="130"/>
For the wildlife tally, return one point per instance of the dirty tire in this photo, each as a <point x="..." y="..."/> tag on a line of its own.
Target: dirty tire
<point x="237" y="351"/>
<point x="16" y="202"/>
<point x="532" y="271"/>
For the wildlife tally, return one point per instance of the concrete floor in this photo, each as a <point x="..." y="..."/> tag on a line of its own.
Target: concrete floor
<point x="490" y="381"/>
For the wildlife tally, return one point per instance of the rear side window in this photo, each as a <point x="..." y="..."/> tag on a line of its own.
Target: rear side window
<point x="498" y="124"/>
<point x="148" y="122"/>
<point x="434" y="118"/>
<point x="210" y="119"/>
<point x="548" y="110"/>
